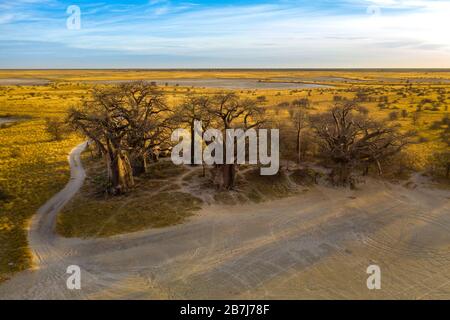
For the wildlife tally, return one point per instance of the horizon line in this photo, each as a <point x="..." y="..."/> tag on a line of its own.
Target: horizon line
<point x="230" y="69"/>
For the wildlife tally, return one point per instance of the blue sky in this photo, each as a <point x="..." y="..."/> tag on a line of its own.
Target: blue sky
<point x="226" y="34"/>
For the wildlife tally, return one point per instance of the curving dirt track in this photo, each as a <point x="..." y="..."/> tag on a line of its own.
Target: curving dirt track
<point x="314" y="245"/>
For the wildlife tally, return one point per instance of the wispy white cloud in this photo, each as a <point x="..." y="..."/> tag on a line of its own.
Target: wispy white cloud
<point x="409" y="32"/>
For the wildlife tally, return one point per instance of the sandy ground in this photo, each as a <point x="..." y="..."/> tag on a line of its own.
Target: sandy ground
<point x="7" y="120"/>
<point x="313" y="245"/>
<point x="23" y="82"/>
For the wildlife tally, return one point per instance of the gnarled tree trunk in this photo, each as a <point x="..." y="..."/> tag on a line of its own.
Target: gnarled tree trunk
<point x="229" y="176"/>
<point x="120" y="173"/>
<point x="139" y="164"/>
<point x="341" y="175"/>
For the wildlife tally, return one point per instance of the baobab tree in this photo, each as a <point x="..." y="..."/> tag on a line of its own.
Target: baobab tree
<point x="126" y="123"/>
<point x="194" y="108"/>
<point x="148" y="120"/>
<point x="100" y="122"/>
<point x="350" y="139"/>
<point x="233" y="112"/>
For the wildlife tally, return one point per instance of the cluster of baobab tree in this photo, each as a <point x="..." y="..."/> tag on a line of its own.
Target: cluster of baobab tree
<point x="221" y="111"/>
<point x="345" y="137"/>
<point x="130" y="124"/>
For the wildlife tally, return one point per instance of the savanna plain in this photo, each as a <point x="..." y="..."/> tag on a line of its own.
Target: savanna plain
<point x="363" y="180"/>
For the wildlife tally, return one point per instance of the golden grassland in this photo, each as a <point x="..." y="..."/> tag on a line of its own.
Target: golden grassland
<point x="33" y="168"/>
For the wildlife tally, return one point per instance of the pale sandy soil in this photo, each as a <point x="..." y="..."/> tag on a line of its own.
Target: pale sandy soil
<point x="7" y="120"/>
<point x="313" y="245"/>
<point x="23" y="82"/>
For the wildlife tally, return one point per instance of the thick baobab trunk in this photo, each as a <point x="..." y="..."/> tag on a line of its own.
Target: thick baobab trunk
<point x="139" y="164"/>
<point x="121" y="177"/>
<point x="344" y="174"/>
<point x="341" y="175"/>
<point x="366" y="170"/>
<point x="228" y="169"/>
<point x="203" y="170"/>
<point x="229" y="176"/>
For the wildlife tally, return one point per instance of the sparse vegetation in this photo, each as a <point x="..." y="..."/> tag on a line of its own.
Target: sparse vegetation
<point x="55" y="128"/>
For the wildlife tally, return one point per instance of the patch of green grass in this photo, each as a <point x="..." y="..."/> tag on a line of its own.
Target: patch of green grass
<point x="87" y="218"/>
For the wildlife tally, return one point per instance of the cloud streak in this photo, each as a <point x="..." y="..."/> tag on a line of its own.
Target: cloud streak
<point x="279" y="34"/>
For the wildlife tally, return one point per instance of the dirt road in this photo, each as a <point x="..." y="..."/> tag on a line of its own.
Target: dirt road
<point x="313" y="245"/>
